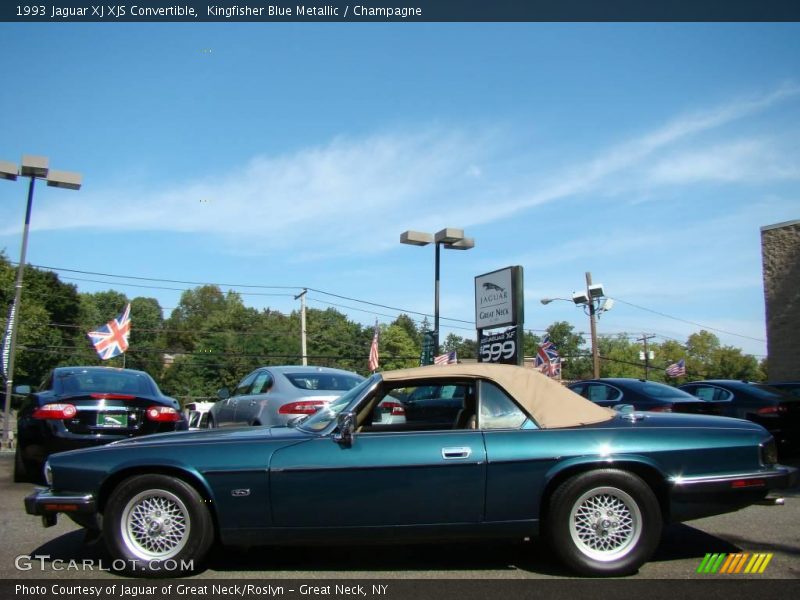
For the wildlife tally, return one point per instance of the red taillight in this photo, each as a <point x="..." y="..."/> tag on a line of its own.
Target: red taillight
<point x="398" y="410"/>
<point x="747" y="483"/>
<point x="163" y="414"/>
<point x="661" y="409"/>
<point x="303" y="407"/>
<point x="55" y="411"/>
<point x="778" y="409"/>
<point x="112" y="396"/>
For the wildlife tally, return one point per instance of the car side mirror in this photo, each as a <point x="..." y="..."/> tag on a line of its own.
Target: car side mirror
<point x="22" y="389"/>
<point x="346" y="425"/>
<point x="224" y="394"/>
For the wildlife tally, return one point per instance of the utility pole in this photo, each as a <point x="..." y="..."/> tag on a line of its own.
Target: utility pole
<point x="302" y="297"/>
<point x="646" y="355"/>
<point x="593" y="327"/>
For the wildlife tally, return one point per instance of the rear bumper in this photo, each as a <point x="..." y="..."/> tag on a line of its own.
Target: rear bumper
<point x="81" y="508"/>
<point x="779" y="477"/>
<point x="696" y="497"/>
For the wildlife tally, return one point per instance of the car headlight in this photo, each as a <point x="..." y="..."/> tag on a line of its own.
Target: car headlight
<point x="48" y="473"/>
<point x="769" y="452"/>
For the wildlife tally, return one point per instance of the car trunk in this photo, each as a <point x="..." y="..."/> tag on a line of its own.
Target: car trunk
<point x="114" y="414"/>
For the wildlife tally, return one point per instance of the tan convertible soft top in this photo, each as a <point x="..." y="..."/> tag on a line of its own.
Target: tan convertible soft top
<point x="548" y="402"/>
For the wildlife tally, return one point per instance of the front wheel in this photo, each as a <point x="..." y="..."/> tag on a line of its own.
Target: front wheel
<point x="604" y="523"/>
<point x="157" y="526"/>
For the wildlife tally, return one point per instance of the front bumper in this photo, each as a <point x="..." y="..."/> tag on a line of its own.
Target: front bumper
<point x="81" y="508"/>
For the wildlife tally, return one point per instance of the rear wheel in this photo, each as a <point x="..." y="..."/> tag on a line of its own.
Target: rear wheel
<point x="21" y="474"/>
<point x="157" y="526"/>
<point x="605" y="522"/>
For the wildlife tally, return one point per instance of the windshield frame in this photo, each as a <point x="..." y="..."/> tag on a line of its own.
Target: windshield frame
<point x="324" y="420"/>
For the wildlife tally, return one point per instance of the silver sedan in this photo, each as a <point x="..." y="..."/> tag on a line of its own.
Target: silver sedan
<point x="277" y="395"/>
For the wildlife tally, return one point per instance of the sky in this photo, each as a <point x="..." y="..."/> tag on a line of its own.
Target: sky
<point x="271" y="157"/>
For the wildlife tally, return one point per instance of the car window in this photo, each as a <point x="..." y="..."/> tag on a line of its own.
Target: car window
<point x="245" y="384"/>
<point x="262" y="383"/>
<point x="328" y="382"/>
<point x="600" y="392"/>
<point x="497" y="409"/>
<point x="425" y="408"/>
<point x="711" y="393"/>
<point x="111" y="382"/>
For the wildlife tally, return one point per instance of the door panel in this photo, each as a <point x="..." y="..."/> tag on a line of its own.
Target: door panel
<point x="408" y="478"/>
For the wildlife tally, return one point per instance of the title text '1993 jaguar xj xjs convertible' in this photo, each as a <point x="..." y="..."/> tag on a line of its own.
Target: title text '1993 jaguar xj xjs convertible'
<point x="483" y="451"/>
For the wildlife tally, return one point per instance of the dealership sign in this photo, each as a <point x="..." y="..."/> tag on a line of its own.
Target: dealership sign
<point x="498" y="298"/>
<point x="498" y="303"/>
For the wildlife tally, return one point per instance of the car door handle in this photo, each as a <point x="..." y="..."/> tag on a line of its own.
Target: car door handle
<point x="456" y="453"/>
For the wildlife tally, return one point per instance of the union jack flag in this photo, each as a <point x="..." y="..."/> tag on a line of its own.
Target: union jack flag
<point x="446" y="359"/>
<point x="111" y="339"/>
<point x="548" y="360"/>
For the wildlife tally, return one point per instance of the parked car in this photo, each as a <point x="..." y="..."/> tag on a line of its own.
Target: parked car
<point x="522" y="456"/>
<point x="196" y="414"/>
<point x="775" y="410"/>
<point x="276" y="395"/>
<point x="77" y="407"/>
<point x="642" y="395"/>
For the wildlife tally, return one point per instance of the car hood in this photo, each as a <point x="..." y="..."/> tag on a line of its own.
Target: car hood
<point x="214" y="435"/>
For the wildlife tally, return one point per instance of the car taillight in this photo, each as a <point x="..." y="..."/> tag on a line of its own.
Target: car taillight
<point x="112" y="396"/>
<point x="772" y="410"/>
<point x="302" y="407"/>
<point x="163" y="414"/>
<point x="661" y="409"/>
<point x="55" y="411"/>
<point x="397" y="409"/>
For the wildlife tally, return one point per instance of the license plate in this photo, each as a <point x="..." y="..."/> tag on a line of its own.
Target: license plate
<point x="112" y="420"/>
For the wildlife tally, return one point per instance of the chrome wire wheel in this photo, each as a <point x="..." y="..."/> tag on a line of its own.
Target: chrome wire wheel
<point x="155" y="525"/>
<point x="605" y="523"/>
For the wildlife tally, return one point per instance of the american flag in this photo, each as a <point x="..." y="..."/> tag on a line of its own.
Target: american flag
<point x="548" y="360"/>
<point x="373" y="351"/>
<point x="111" y="339"/>
<point x="677" y="369"/>
<point x="446" y="359"/>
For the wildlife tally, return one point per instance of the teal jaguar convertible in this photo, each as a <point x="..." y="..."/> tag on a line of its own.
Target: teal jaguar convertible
<point x="462" y="451"/>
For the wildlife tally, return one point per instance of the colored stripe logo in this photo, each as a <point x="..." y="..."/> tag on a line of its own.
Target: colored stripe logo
<point x="735" y="563"/>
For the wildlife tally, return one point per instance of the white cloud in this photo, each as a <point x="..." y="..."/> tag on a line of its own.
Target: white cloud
<point x="354" y="196"/>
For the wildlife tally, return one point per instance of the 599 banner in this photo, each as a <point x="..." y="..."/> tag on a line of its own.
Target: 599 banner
<point x="503" y="347"/>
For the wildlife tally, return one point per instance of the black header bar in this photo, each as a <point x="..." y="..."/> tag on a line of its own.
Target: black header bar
<point x="277" y="11"/>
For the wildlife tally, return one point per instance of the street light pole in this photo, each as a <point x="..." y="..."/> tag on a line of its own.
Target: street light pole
<point x="452" y="239"/>
<point x="33" y="167"/>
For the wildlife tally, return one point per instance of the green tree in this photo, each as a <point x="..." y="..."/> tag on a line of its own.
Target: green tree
<point x="620" y="357"/>
<point x="576" y="362"/>
<point x="397" y="349"/>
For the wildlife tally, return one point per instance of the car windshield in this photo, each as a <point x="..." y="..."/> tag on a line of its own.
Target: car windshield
<point x="329" y="382"/>
<point x="108" y="382"/>
<point x="327" y="414"/>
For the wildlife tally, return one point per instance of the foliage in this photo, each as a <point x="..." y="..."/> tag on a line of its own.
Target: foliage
<point x="212" y="340"/>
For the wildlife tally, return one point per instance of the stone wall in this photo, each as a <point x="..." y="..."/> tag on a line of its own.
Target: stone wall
<point x="780" y="252"/>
